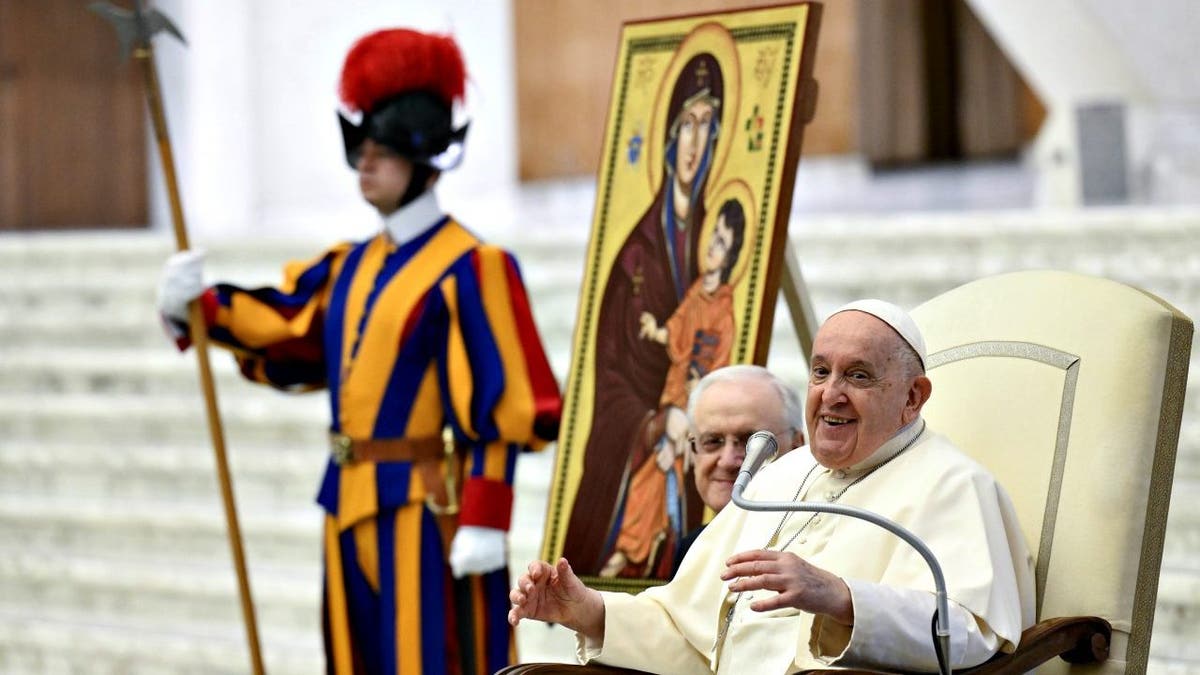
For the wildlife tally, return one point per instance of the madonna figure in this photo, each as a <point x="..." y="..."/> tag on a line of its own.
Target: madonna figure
<point x="651" y="273"/>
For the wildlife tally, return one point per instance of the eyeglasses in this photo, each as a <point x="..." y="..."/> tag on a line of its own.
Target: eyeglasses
<point x="710" y="443"/>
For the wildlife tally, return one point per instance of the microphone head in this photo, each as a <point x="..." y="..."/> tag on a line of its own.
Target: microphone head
<point x="759" y="447"/>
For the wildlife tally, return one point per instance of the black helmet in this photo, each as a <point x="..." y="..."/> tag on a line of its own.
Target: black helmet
<point x="401" y="85"/>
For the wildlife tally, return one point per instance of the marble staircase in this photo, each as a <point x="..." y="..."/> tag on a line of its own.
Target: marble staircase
<point x="113" y="557"/>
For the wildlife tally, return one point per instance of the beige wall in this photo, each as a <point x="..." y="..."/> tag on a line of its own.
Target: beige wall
<point x="564" y="55"/>
<point x="901" y="81"/>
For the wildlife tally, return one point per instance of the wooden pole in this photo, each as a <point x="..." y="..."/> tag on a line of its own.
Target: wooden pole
<point x="199" y="334"/>
<point x="799" y="303"/>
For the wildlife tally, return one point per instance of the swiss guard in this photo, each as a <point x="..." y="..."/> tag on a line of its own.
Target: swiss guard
<point x="437" y="379"/>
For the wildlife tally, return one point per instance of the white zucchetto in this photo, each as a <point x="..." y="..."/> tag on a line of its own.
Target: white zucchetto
<point x="893" y="316"/>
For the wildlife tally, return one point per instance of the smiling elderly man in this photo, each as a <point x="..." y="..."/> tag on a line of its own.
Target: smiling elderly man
<point x="724" y="409"/>
<point x="776" y="593"/>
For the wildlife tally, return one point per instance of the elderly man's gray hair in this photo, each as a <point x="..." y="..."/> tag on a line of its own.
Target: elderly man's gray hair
<point x="793" y="410"/>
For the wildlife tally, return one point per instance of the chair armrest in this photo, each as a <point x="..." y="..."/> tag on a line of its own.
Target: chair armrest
<point x="1077" y="639"/>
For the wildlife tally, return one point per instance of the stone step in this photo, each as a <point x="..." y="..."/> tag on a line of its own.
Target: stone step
<point x="117" y="370"/>
<point x="78" y="642"/>
<point x="130" y="305"/>
<point x="137" y="357"/>
<point x="160" y="471"/>
<point x="83" y="316"/>
<point x="93" y="266"/>
<point x="192" y="528"/>
<point x="114" y="421"/>
<point x="1183" y="528"/>
<point x="131" y="328"/>
<point x="159" y="587"/>
<point x="1176" y="614"/>
<point x="1188" y="452"/>
<point x="118" y="516"/>
<point x="78" y="372"/>
<point x="1173" y="655"/>
<point x="261" y="475"/>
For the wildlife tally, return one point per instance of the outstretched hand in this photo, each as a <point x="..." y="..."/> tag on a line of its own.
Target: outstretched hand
<point x="554" y="594"/>
<point x="797" y="582"/>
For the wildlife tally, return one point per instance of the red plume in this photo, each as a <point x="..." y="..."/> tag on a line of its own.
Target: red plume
<point x="390" y="62"/>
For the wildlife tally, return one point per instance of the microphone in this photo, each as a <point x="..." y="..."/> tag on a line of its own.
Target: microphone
<point x="760" y="445"/>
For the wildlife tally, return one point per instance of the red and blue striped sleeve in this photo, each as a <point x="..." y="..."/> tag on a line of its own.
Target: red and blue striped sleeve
<point x="276" y="334"/>
<point x="501" y="395"/>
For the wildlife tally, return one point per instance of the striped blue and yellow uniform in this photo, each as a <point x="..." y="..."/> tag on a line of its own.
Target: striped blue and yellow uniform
<point x="411" y="339"/>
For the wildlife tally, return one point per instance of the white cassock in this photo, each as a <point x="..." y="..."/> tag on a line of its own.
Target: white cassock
<point x="930" y="487"/>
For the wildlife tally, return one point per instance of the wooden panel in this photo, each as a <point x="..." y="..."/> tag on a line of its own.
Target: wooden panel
<point x="11" y="206"/>
<point x="833" y="129"/>
<point x="565" y="51"/>
<point x="935" y="86"/>
<point x="891" y="69"/>
<point x="1032" y="112"/>
<point x="989" y="110"/>
<point x="72" y="134"/>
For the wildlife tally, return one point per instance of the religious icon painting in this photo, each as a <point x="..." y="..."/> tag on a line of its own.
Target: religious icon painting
<point x="683" y="268"/>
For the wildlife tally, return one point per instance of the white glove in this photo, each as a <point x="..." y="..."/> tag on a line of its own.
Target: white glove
<point x="477" y="550"/>
<point x="182" y="281"/>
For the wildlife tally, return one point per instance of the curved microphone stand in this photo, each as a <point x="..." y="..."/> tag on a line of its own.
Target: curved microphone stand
<point x="764" y="444"/>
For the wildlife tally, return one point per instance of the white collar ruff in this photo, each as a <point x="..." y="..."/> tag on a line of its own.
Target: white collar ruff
<point x="408" y="222"/>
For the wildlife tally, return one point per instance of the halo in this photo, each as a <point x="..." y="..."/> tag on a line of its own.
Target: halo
<point x="736" y="189"/>
<point x="716" y="40"/>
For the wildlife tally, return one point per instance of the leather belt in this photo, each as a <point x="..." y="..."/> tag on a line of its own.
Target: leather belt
<point x="346" y="450"/>
<point x="434" y="460"/>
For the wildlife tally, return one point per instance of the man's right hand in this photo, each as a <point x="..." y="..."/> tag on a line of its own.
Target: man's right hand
<point x="182" y="281"/>
<point x="554" y="594"/>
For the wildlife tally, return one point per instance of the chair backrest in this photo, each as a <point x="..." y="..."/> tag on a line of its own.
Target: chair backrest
<point x="1070" y="390"/>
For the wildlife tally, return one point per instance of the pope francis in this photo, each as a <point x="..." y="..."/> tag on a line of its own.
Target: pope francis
<point x="778" y="593"/>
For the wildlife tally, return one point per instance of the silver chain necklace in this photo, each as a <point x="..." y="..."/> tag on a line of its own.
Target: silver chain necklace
<point x="728" y="619"/>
